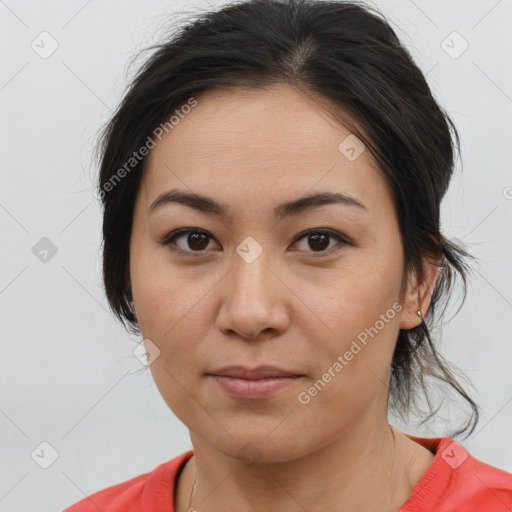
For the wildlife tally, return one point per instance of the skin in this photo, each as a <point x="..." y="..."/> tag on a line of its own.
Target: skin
<point x="295" y="306"/>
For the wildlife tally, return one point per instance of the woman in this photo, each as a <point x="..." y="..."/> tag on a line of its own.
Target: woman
<point x="271" y="187"/>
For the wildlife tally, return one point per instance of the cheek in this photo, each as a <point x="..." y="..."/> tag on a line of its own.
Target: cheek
<point x="164" y="294"/>
<point x="353" y="298"/>
<point x="178" y="367"/>
<point x="354" y="369"/>
<point x="174" y="385"/>
<point x="362" y="312"/>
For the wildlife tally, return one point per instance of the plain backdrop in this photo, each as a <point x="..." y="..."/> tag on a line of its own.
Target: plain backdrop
<point x="69" y="399"/>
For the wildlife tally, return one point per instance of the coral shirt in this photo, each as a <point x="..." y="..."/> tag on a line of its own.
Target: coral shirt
<point x="454" y="482"/>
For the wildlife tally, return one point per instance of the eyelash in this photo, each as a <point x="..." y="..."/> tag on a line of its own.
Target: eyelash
<point x="169" y="240"/>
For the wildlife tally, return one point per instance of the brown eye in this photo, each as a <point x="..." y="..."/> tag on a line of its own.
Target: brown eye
<point x="196" y="241"/>
<point x="319" y="240"/>
<point x="190" y="241"/>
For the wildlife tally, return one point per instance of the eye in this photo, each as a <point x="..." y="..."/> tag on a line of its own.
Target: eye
<point x="196" y="240"/>
<point x="318" y="240"/>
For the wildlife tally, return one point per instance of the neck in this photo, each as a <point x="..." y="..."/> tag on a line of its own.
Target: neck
<point x="364" y="469"/>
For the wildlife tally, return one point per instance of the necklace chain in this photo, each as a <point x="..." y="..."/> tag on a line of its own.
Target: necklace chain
<point x="191" y="494"/>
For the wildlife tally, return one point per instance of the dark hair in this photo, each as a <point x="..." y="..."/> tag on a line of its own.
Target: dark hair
<point x="345" y="53"/>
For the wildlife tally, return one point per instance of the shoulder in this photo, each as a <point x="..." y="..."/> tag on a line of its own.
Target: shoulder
<point x="152" y="491"/>
<point x="110" y="499"/>
<point x="484" y="486"/>
<point x="457" y="481"/>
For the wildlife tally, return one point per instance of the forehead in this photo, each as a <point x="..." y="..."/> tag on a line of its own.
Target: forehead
<point x="255" y="142"/>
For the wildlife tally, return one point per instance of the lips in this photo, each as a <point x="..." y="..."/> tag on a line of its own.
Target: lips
<point x="260" y="372"/>
<point x="262" y="382"/>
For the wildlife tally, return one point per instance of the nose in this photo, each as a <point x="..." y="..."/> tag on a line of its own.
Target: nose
<point x="255" y="300"/>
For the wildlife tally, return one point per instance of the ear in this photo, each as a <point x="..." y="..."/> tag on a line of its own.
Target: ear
<point x="418" y="295"/>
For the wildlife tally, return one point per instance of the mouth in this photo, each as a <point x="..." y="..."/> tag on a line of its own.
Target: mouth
<point x="254" y="384"/>
<point x="260" y="372"/>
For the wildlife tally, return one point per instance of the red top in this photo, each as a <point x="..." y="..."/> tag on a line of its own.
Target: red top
<point x="454" y="482"/>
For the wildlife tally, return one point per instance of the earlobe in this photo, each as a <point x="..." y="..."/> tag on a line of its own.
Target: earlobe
<point x="418" y="297"/>
<point x="411" y="317"/>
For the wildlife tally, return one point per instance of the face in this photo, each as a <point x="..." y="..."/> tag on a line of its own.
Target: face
<point x="314" y="290"/>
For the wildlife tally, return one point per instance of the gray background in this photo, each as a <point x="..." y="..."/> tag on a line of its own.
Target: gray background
<point x="66" y="364"/>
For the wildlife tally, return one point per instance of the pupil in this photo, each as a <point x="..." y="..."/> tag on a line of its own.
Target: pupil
<point x="316" y="238"/>
<point x="193" y="241"/>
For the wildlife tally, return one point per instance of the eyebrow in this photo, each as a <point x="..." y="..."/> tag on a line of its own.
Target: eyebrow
<point x="290" y="208"/>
